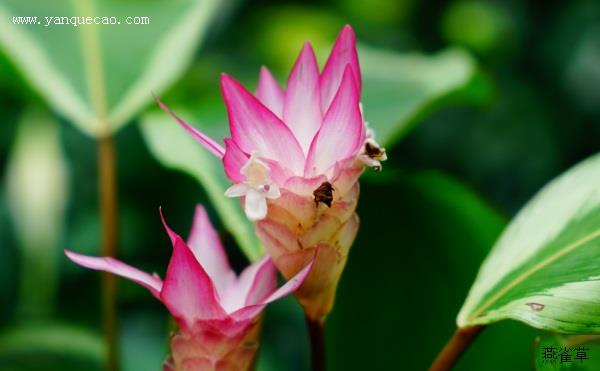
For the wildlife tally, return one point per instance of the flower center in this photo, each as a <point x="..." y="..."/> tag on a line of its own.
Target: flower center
<point x="256" y="173"/>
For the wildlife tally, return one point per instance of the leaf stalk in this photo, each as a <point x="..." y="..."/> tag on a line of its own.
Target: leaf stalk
<point x="459" y="342"/>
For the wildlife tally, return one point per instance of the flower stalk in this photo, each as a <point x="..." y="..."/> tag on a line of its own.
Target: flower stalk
<point x="107" y="184"/>
<point x="316" y="333"/>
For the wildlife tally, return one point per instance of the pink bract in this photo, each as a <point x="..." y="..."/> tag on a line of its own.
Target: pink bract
<point x="211" y="304"/>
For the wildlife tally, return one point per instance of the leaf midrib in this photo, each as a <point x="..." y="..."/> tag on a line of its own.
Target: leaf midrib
<point x="526" y="274"/>
<point x="90" y="45"/>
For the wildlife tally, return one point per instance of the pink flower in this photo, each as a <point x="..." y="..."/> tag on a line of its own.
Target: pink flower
<point x="217" y="312"/>
<point x="294" y="158"/>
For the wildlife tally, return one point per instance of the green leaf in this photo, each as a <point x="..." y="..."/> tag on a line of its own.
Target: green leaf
<point x="543" y="269"/>
<point x="400" y="88"/>
<point x="100" y="76"/>
<point x="570" y="351"/>
<point x="175" y="148"/>
<point x="45" y="346"/>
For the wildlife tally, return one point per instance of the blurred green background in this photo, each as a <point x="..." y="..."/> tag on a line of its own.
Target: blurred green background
<point x="457" y="173"/>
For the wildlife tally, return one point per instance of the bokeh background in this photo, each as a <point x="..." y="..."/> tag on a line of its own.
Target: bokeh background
<point x="451" y="184"/>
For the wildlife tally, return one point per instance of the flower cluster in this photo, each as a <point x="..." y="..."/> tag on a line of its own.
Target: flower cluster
<point x="218" y="313"/>
<point x="294" y="158"/>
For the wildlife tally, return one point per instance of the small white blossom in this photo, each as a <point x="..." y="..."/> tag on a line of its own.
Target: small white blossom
<point x="256" y="188"/>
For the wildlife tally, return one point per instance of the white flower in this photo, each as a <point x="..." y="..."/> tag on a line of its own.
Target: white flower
<point x="256" y="188"/>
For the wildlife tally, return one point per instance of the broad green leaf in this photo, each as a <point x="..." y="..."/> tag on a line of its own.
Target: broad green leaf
<point x="567" y="352"/>
<point x="400" y="88"/>
<point x="100" y="76"/>
<point x="48" y="346"/>
<point x="175" y="148"/>
<point x="37" y="196"/>
<point x="544" y="269"/>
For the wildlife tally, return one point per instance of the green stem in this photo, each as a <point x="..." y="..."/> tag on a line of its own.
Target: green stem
<point x="316" y="332"/>
<point x="108" y="212"/>
<point x="455" y="348"/>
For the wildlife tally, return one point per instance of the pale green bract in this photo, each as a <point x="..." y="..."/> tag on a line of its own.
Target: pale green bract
<point x="545" y="268"/>
<point x="175" y="148"/>
<point x="100" y="76"/>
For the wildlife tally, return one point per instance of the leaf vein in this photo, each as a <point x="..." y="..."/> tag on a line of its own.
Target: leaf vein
<point x="545" y="262"/>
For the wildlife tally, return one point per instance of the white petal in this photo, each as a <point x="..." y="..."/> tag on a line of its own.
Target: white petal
<point x="237" y="190"/>
<point x="256" y="205"/>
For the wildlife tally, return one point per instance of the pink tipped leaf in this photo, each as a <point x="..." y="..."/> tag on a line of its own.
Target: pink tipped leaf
<point x="208" y="250"/>
<point x="255" y="128"/>
<point x="188" y="291"/>
<point x="342" y="132"/>
<point x="172" y="235"/>
<point x="343" y="53"/>
<point x="269" y="92"/>
<point x="114" y="266"/>
<point x="290" y="286"/>
<point x="207" y="142"/>
<point x="302" y="110"/>
<point x="255" y="283"/>
<point x="233" y="161"/>
<point x="262" y="283"/>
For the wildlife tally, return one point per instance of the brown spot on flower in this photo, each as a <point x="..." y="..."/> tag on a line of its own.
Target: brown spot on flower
<point x="374" y="151"/>
<point x="535" y="306"/>
<point x="324" y="194"/>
